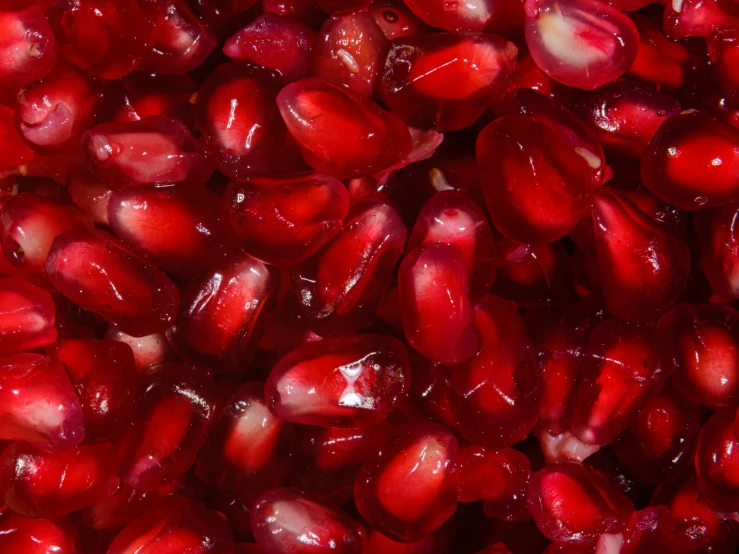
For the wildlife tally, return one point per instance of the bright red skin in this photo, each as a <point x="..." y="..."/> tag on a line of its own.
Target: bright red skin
<point x="120" y="509"/>
<point x="123" y="288"/>
<point x="157" y="149"/>
<point x="39" y="403"/>
<point x="281" y="519"/>
<point x="147" y="350"/>
<point x="340" y="287"/>
<point x="339" y="382"/>
<point x="16" y="153"/>
<point x="720" y="108"/>
<point x="177" y="226"/>
<point x="28" y="226"/>
<point x="91" y="196"/>
<point x="325" y="461"/>
<point x="36" y="536"/>
<point x="496" y="395"/>
<point x="138" y="96"/>
<point x="462" y="16"/>
<point x="106" y="38"/>
<point x="409" y="488"/>
<point x="175" y="524"/>
<point x="453" y="218"/>
<point x="103" y="373"/>
<point x="533" y="274"/>
<point x="180" y="41"/>
<point x="445" y="81"/>
<point x="723" y="48"/>
<point x="434" y="295"/>
<point x="277" y="43"/>
<point x="350" y="52"/>
<point x="580" y="43"/>
<point x="27" y="316"/>
<point x="27" y="49"/>
<point x="247" y="449"/>
<point x="339" y="133"/>
<point x="702" y="171"/>
<point x="536" y="187"/>
<point x="175" y="408"/>
<point x="701" y="344"/>
<point x="659" y="445"/>
<point x="238" y="118"/>
<point x="622" y="371"/>
<point x="286" y="219"/>
<point x="573" y="504"/>
<point x="699" y="18"/>
<point x="716" y="463"/>
<point x="719" y="248"/>
<point x="395" y="19"/>
<point x="221" y="320"/>
<point x="626" y="115"/>
<point x="40" y="485"/>
<point x="497" y="477"/>
<point x="51" y="114"/>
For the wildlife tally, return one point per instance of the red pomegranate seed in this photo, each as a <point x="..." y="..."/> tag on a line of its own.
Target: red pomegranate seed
<point x="395" y="19"/>
<point x="277" y="43"/>
<point x="339" y="382"/>
<point x="221" y="320"/>
<point x="175" y="225"/>
<point x="91" y="196"/>
<point x="285" y="329"/>
<point x="27" y="49"/>
<point x="342" y="6"/>
<point x="40" y="485"/>
<point x="157" y="149"/>
<point x="16" y="153"/>
<point x="120" y="509"/>
<point x="456" y="16"/>
<point x="536" y="187"/>
<point x="37" y="536"/>
<point x="304" y="11"/>
<point x="629" y="5"/>
<point x="238" y="118"/>
<point x="430" y="395"/>
<point x="659" y="445"/>
<point x="39" y="403"/>
<point x="650" y="530"/>
<point x="285" y="220"/>
<point x="175" y="408"/>
<point x="97" y="272"/>
<point x="147" y="350"/>
<point x="723" y="48"/>
<point x="721" y="109"/>
<point x="445" y="81"/>
<point x="528" y="75"/>
<point x="339" y="133"/>
<point x="701" y="349"/>
<point x="285" y="520"/>
<point x="103" y="373"/>
<point x="581" y="43"/>
<point x="496" y="395"/>
<point x="28" y="226"/>
<point x="409" y="487"/>
<point x="248" y="447"/>
<point x="717" y="463"/>
<point x="27" y="316"/>
<point x="573" y="504"/>
<point x="719" y="248"/>
<point x="237" y="510"/>
<point x="106" y="38"/>
<point x="175" y="524"/>
<point x="698" y="18"/>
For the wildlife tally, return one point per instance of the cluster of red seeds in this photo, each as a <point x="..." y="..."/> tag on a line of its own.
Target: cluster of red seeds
<point x="369" y="277"/>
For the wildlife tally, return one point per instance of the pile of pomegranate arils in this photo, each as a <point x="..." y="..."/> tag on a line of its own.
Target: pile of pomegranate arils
<point x="369" y="277"/>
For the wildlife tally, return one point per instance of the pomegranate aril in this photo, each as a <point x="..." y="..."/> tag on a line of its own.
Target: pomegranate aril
<point x="277" y="43"/>
<point x="40" y="485"/>
<point x="350" y="52"/>
<point x="303" y="11"/>
<point x="698" y="18"/>
<point x="147" y="350"/>
<point x="27" y="316"/>
<point x="395" y="19"/>
<point x="158" y="149"/>
<point x="238" y="118"/>
<point x="97" y="272"/>
<point x="496" y="394"/>
<point x="27" y="49"/>
<point x="528" y="75"/>
<point x="39" y="404"/>
<point x="247" y="449"/>
<point x="51" y="114"/>
<point x="456" y="16"/>
<point x="172" y="526"/>
<point x="282" y="518"/>
<point x="221" y="320"/>
<point x="340" y="287"/>
<point x="106" y="38"/>
<point x="120" y="509"/>
<point x="723" y="49"/>
<point x="177" y="226"/>
<point x="175" y="408"/>
<point x="16" y="153"/>
<point x="409" y="488"/>
<point x="659" y="445"/>
<point x="717" y="464"/>
<point x="581" y="43"/>
<point x="37" y="536"/>
<point x="573" y="504"/>
<point x="719" y="248"/>
<point x="91" y="196"/>
<point x="285" y="328"/>
<point x="339" y="133"/>
<point x="284" y="220"/>
<point x="445" y="81"/>
<point x="342" y="6"/>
